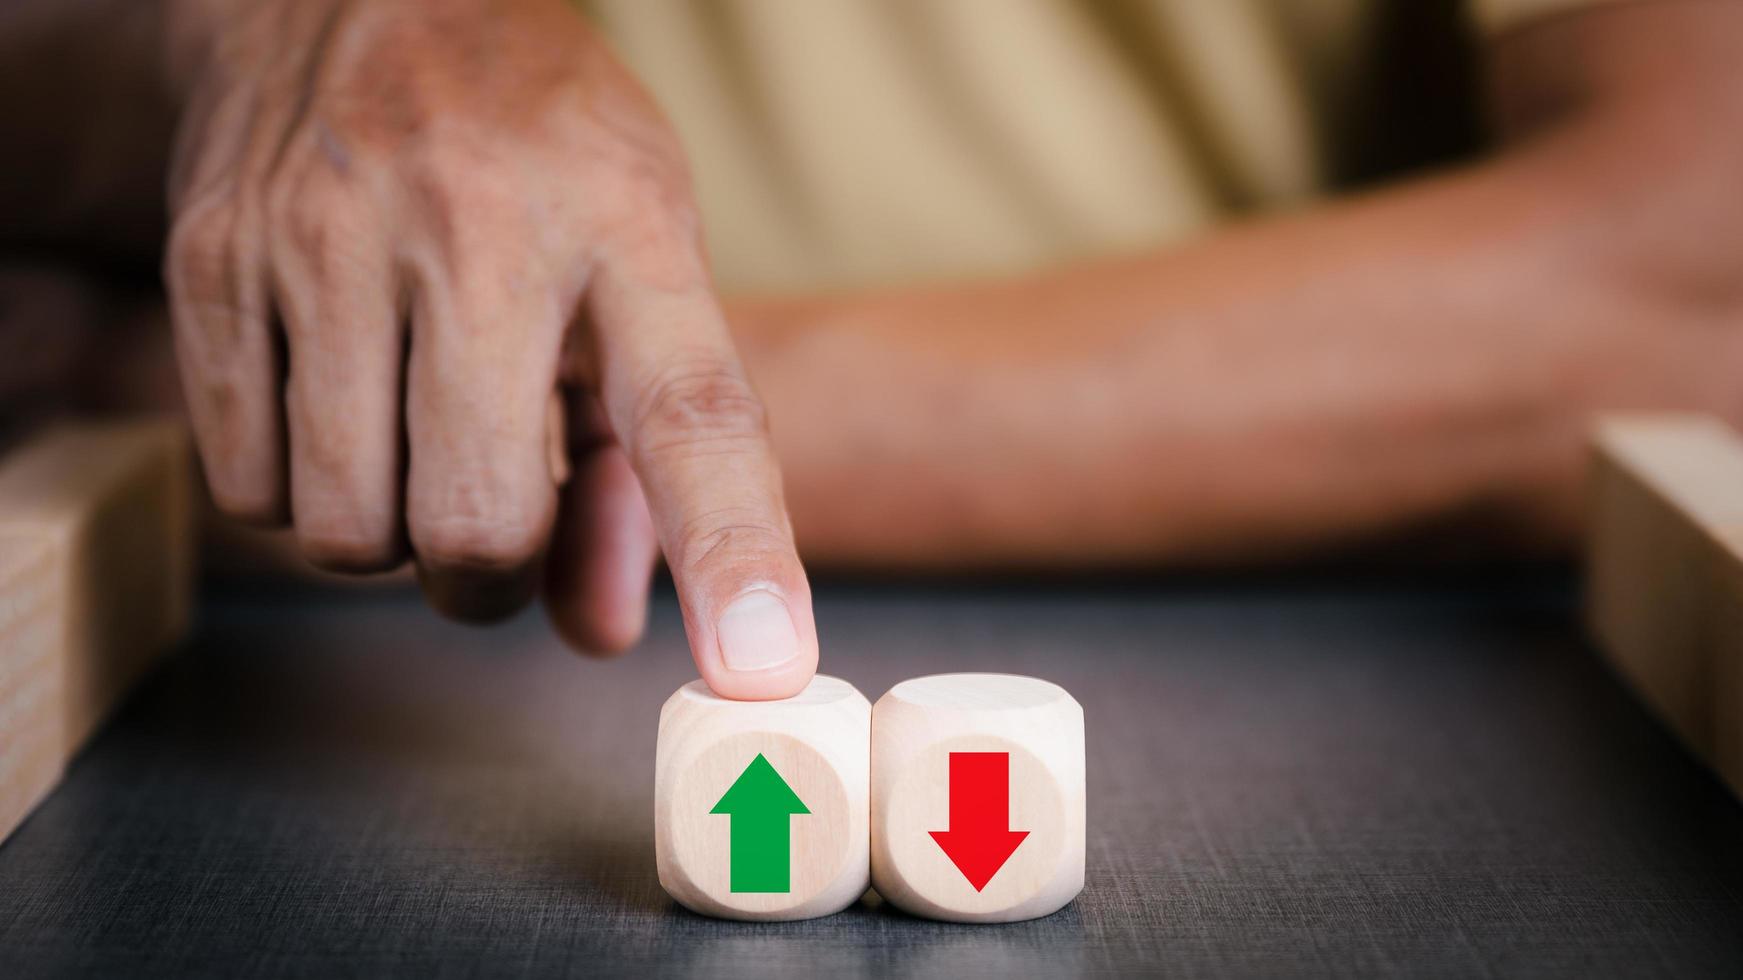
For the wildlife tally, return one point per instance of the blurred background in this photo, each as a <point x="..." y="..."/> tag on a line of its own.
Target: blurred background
<point x="1068" y="285"/>
<point x="836" y="146"/>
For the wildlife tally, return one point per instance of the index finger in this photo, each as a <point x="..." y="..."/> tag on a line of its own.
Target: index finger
<point x="679" y="403"/>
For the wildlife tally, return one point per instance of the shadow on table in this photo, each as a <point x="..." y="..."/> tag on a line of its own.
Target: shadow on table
<point x="871" y="938"/>
<point x="405" y="752"/>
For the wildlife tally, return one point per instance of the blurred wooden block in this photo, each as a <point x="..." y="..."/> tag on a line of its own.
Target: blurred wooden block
<point x="760" y="807"/>
<point x="977" y="797"/>
<point x="30" y="713"/>
<point x="1727" y="664"/>
<point x="1665" y="573"/>
<point x="96" y="565"/>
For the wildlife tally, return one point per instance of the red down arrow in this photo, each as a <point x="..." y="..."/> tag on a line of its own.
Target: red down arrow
<point x="980" y="839"/>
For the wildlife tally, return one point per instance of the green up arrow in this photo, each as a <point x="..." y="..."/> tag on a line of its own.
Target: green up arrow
<point x="760" y="803"/>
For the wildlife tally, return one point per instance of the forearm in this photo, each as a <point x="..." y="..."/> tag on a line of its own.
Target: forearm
<point x="1286" y="384"/>
<point x="1425" y="355"/>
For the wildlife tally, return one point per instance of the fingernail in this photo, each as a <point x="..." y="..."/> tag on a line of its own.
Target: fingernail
<point x="756" y="632"/>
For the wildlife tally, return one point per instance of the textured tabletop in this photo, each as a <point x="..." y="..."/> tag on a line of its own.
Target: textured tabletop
<point x="1283" y="780"/>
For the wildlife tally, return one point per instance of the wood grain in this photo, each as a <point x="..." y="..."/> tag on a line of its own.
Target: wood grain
<point x="95" y="580"/>
<point x="819" y="742"/>
<point x="917" y="727"/>
<point x="31" y="623"/>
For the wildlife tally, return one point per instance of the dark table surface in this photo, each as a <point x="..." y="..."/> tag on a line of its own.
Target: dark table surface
<point x="1284" y="779"/>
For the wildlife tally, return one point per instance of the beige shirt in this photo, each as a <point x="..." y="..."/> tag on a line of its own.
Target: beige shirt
<point x="849" y="143"/>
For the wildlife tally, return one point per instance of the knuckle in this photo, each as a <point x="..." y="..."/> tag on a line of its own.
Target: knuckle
<point x="310" y="217"/>
<point x="197" y="255"/>
<point x="650" y="219"/>
<point x="301" y="220"/>
<point x="215" y="302"/>
<point x="456" y="188"/>
<point x="696" y="405"/>
<point x="651" y="186"/>
<point x="731" y="538"/>
<point x="476" y="544"/>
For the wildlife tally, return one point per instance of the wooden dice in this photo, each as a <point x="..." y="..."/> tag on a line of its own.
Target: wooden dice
<point x="977" y="797"/>
<point x="760" y="807"/>
<point x="965" y="792"/>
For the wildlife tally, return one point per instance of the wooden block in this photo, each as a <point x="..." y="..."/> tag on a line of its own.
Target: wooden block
<point x="95" y="578"/>
<point x="1726" y="665"/>
<point x="760" y="807"/>
<point x="977" y="797"/>
<point x="1665" y="573"/>
<point x="30" y="715"/>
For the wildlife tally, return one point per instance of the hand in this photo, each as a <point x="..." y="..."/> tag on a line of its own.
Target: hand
<point x="429" y="257"/>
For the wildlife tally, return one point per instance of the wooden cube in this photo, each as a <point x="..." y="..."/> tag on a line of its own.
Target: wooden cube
<point x="760" y="807"/>
<point x="1665" y="573"/>
<point x="96" y="563"/>
<point x="977" y="797"/>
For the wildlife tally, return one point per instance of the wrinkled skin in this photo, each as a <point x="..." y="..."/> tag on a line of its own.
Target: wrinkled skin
<point x="439" y="289"/>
